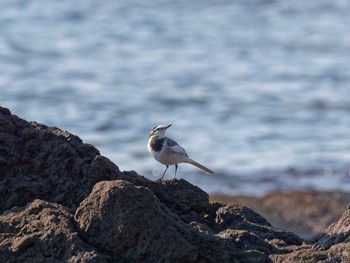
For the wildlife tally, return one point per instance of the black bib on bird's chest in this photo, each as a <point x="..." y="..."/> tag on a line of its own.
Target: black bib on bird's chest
<point x="157" y="145"/>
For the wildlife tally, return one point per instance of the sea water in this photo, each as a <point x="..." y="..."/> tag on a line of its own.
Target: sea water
<point x="257" y="90"/>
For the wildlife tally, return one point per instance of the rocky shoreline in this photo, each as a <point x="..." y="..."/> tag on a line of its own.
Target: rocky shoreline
<point x="61" y="201"/>
<point x="305" y="213"/>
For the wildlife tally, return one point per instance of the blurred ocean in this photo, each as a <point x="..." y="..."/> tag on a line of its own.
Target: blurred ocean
<point x="257" y="90"/>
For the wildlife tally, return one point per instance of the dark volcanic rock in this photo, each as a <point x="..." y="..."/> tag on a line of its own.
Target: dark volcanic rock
<point x="43" y="232"/>
<point x="181" y="196"/>
<point x="331" y="246"/>
<point x="336" y="234"/>
<point x="239" y="217"/>
<point x="37" y="161"/>
<point x="91" y="212"/>
<point x="129" y="222"/>
<point x="312" y="213"/>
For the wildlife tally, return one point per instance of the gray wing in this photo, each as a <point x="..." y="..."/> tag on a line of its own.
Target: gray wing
<point x="175" y="147"/>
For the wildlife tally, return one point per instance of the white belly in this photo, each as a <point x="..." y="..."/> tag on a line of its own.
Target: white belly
<point x="166" y="159"/>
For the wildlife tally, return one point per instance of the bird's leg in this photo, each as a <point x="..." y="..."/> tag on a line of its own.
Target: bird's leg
<point x="167" y="166"/>
<point x="176" y="165"/>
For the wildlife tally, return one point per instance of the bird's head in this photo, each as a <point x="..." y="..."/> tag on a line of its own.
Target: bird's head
<point x="159" y="130"/>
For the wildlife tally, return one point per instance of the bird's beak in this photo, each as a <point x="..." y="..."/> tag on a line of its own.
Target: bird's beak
<point x="168" y="126"/>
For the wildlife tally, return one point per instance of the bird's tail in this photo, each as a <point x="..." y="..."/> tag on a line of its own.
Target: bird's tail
<point x="201" y="167"/>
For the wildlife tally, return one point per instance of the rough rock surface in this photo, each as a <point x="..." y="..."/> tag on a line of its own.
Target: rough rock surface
<point x="61" y="201"/>
<point x="333" y="245"/>
<point x="312" y="213"/>
<point x="129" y="222"/>
<point x="41" y="162"/>
<point x="43" y="232"/>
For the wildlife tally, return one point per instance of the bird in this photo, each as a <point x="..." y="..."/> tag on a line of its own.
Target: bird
<point x="169" y="152"/>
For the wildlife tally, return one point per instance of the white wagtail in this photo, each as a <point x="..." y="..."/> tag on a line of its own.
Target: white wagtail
<point x="168" y="152"/>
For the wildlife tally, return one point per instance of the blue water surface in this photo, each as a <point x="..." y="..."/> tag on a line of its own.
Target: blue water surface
<point x="257" y="90"/>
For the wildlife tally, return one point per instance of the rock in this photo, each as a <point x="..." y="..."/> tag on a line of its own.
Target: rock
<point x="43" y="232"/>
<point x="333" y="245"/>
<point x="336" y="234"/>
<point x="312" y="213"/>
<point x="239" y="217"/>
<point x="37" y="161"/>
<point x="186" y="200"/>
<point x="119" y="218"/>
<point x="189" y="202"/>
<point x="129" y="222"/>
<point x="181" y="196"/>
